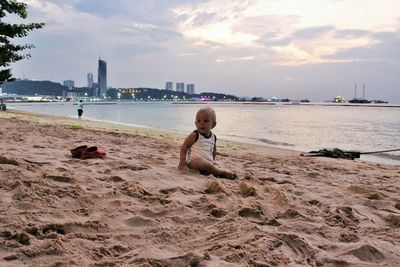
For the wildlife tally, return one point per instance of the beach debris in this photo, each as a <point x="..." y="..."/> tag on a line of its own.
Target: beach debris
<point x="85" y="152"/>
<point x="339" y="153"/>
<point x="335" y="153"/>
<point x="77" y="151"/>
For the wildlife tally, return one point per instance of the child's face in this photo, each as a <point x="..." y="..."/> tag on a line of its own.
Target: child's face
<point x="204" y="122"/>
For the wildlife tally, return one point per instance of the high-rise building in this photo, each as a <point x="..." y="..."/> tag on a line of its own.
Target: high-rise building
<point x="190" y="89"/>
<point x="180" y="87"/>
<point x="102" y="78"/>
<point x="69" y="83"/>
<point x="94" y="91"/>
<point x="90" y="80"/>
<point x="169" y="86"/>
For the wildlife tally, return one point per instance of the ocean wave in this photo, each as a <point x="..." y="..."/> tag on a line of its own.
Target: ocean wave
<point x="388" y="156"/>
<point x="271" y="142"/>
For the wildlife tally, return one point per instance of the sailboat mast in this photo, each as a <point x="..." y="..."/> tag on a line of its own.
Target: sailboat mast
<point x="355" y="91"/>
<point x="363" y="91"/>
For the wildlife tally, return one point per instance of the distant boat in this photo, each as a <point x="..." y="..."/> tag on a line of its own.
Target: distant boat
<point x="359" y="101"/>
<point x="379" y="101"/>
<point x="356" y="100"/>
<point x="339" y="99"/>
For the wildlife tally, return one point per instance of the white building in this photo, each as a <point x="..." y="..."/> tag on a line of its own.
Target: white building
<point x="180" y="87"/>
<point x="69" y="83"/>
<point x="190" y="89"/>
<point x="169" y="86"/>
<point x="90" y="80"/>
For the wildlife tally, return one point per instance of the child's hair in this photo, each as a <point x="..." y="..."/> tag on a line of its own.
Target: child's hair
<point x="210" y="111"/>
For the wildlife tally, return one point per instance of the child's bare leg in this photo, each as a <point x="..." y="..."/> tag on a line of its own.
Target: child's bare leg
<point x="206" y="166"/>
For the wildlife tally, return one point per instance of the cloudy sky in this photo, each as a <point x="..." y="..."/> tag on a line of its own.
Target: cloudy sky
<point x="315" y="49"/>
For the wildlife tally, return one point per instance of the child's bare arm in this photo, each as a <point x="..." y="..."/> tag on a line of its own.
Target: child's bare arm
<point x="189" y="141"/>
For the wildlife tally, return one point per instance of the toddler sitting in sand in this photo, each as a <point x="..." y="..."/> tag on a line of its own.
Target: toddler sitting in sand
<point x="199" y="148"/>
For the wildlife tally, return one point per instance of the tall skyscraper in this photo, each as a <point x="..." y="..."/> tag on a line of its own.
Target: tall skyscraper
<point x="190" y="89"/>
<point x="169" y="86"/>
<point x="90" y="80"/>
<point x="180" y="87"/>
<point x="102" y="78"/>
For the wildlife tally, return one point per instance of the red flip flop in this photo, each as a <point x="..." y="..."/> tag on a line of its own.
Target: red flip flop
<point x="77" y="151"/>
<point x="93" y="152"/>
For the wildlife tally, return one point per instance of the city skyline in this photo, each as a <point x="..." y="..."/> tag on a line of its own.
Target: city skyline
<point x="307" y="49"/>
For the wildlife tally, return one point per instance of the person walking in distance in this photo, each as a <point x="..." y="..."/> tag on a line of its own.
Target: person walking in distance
<point x="80" y="109"/>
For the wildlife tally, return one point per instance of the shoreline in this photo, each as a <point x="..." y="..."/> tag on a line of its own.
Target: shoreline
<point x="143" y="131"/>
<point x="135" y="208"/>
<point x="257" y="145"/>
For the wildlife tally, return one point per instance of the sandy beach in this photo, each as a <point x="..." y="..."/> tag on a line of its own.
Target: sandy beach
<point x="135" y="208"/>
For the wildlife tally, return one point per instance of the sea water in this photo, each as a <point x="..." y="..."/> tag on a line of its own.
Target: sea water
<point x="297" y="127"/>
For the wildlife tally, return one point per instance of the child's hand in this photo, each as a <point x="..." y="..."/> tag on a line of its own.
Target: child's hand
<point x="182" y="166"/>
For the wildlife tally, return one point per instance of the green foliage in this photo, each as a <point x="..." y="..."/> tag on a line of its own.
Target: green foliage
<point x="27" y="87"/>
<point x="76" y="126"/>
<point x="10" y="52"/>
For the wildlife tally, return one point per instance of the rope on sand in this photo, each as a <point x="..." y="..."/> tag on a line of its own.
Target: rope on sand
<point x="382" y="151"/>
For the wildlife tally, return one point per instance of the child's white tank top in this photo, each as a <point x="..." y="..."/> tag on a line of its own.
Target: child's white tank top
<point x="202" y="148"/>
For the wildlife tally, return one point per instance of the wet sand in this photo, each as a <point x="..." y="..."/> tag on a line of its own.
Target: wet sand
<point x="135" y="208"/>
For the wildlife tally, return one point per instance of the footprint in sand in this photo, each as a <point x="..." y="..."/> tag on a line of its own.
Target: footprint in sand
<point x="367" y="253"/>
<point x="348" y="237"/>
<point x="250" y="212"/>
<point x="375" y="196"/>
<point x="114" y="179"/>
<point x="343" y="216"/>
<point x="61" y="169"/>
<point x="189" y="259"/>
<point x="314" y="202"/>
<point x="393" y="219"/>
<point x="4" y="160"/>
<point x="139" y="221"/>
<point x="168" y="191"/>
<point x="297" y="244"/>
<point x="217" y="212"/>
<point x="61" y="179"/>
<point x="289" y="214"/>
<point x="21" y="238"/>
